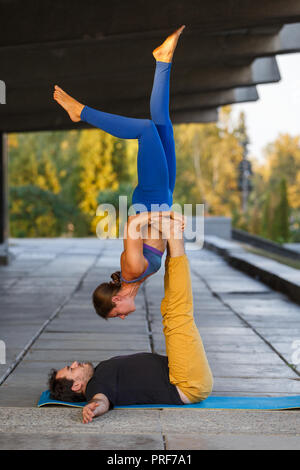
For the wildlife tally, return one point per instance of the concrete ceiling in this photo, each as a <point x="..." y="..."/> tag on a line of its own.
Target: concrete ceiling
<point x="100" y="52"/>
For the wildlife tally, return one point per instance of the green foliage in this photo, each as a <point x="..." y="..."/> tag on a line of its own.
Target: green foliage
<point x="55" y="179"/>
<point x="295" y="228"/>
<point x="276" y="194"/>
<point x="58" y="179"/>
<point x="207" y="162"/>
<point x="112" y="197"/>
<point x="281" y="215"/>
<point x="36" y="212"/>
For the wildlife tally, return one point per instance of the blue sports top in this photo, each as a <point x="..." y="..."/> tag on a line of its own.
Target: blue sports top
<point x="153" y="256"/>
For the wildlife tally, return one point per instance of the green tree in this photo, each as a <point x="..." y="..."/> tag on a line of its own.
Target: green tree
<point x="266" y="217"/>
<point x="96" y="171"/>
<point x="45" y="161"/>
<point x="281" y="215"/>
<point x="207" y="162"/>
<point x="36" y="212"/>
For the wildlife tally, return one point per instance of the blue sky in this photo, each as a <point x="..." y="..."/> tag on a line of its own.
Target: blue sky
<point x="278" y="108"/>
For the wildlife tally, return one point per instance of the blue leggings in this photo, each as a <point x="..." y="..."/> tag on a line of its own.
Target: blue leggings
<point x="156" y="162"/>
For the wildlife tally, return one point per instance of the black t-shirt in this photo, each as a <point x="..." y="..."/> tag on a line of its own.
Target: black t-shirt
<point x="137" y="379"/>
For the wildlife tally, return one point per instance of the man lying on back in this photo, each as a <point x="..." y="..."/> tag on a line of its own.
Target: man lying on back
<point x="181" y="377"/>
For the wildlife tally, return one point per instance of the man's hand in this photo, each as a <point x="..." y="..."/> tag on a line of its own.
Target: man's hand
<point x="88" y="412"/>
<point x="171" y="225"/>
<point x="176" y="216"/>
<point x="96" y="407"/>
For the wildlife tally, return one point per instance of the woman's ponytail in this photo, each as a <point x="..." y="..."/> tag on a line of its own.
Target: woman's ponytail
<point x="116" y="278"/>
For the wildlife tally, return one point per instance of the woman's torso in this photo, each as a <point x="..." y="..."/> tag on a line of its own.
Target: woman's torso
<point x="153" y="250"/>
<point x="153" y="238"/>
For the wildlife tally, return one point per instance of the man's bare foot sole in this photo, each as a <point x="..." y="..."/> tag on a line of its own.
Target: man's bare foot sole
<point x="72" y="106"/>
<point x="164" y="53"/>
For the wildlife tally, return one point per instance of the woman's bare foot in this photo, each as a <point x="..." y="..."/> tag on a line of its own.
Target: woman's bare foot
<point x="164" y="53"/>
<point x="72" y="106"/>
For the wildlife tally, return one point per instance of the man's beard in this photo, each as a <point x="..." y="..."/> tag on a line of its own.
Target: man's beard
<point x="90" y="370"/>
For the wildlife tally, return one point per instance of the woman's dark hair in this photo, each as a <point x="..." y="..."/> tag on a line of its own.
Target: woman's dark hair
<point x="61" y="389"/>
<point x="103" y="294"/>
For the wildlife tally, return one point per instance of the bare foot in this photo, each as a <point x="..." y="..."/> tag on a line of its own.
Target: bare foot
<point x="165" y="51"/>
<point x="72" y="106"/>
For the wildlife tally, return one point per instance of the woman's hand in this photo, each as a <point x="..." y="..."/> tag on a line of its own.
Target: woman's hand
<point x="169" y="214"/>
<point x="145" y="217"/>
<point x="179" y="217"/>
<point x="158" y="220"/>
<point x="134" y="225"/>
<point x="170" y="227"/>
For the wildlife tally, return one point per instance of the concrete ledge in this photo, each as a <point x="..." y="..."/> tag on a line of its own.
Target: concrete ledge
<point x="276" y="275"/>
<point x="62" y="428"/>
<point x="260" y="242"/>
<point x="211" y="225"/>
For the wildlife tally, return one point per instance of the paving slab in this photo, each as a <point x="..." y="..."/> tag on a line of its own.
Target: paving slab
<point x="243" y="358"/>
<point x="97" y="441"/>
<point x="96" y="337"/>
<point x="252" y="371"/>
<point x="77" y="354"/>
<point x="233" y="421"/>
<point x="122" y="344"/>
<point x="61" y="420"/>
<point x="241" y="320"/>
<point x="277" y="275"/>
<point x="19" y="395"/>
<point x="259" y="385"/>
<point x="227" y="441"/>
<point x="229" y="347"/>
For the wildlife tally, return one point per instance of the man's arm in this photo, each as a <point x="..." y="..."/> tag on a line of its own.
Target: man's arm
<point x="96" y="407"/>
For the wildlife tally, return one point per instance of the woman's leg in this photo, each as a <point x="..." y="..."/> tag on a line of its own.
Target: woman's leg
<point x="153" y="176"/>
<point x="159" y="108"/>
<point x="159" y="103"/>
<point x="156" y="156"/>
<point x="151" y="162"/>
<point x="118" y="126"/>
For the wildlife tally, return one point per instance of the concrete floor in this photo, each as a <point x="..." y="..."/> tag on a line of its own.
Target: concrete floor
<point x="47" y="321"/>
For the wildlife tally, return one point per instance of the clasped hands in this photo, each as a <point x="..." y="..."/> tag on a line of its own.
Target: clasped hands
<point x="171" y="224"/>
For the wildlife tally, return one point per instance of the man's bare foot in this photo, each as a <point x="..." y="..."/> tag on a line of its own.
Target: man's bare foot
<point x="72" y="106"/>
<point x="164" y="53"/>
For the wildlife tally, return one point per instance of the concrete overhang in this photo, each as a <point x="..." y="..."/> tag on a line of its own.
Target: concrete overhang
<point x="100" y="52"/>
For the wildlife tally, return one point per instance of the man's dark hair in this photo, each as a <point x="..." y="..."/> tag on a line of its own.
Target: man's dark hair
<point x="61" y="389"/>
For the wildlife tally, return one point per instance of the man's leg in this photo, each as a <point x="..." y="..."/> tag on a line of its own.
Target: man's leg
<point x="188" y="366"/>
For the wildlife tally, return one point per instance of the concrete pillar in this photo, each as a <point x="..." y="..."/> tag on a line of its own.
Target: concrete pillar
<point x="4" y="257"/>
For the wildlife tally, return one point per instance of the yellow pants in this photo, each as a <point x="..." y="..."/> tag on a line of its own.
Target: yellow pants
<point x="188" y="366"/>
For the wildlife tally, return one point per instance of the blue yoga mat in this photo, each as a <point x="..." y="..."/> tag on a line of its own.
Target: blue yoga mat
<point x="232" y="403"/>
